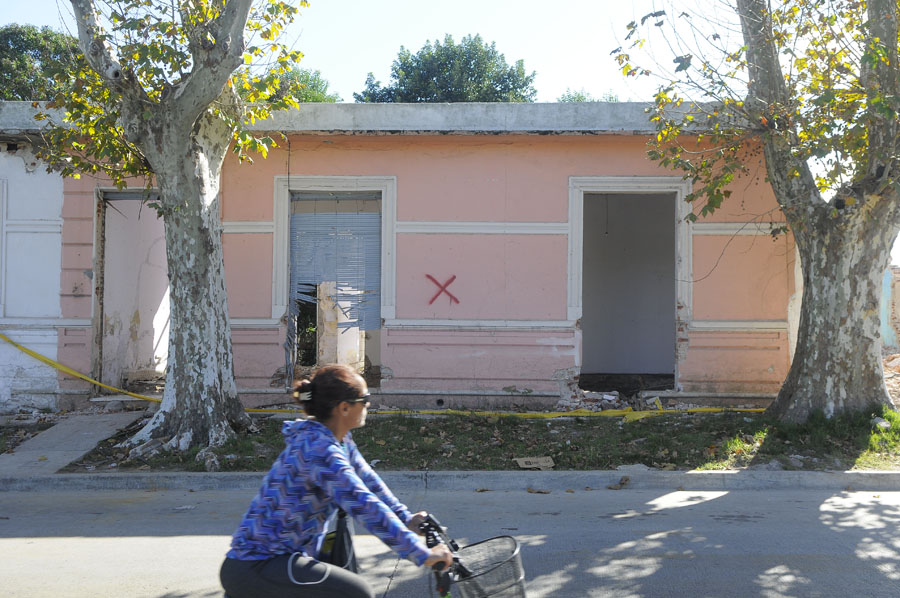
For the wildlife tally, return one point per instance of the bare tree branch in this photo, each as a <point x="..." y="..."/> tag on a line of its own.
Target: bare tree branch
<point x="217" y="50"/>
<point x="767" y="92"/>
<point x="882" y="66"/>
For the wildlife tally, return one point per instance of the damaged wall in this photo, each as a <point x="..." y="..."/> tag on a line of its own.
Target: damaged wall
<point x="30" y="254"/>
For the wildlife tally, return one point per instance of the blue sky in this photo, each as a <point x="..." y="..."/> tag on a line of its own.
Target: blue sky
<point x="567" y="42"/>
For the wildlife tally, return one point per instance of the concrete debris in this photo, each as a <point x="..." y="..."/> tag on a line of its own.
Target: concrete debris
<point x="114" y="407"/>
<point x="882" y="423"/>
<point x="891" y="366"/>
<point x="577" y="398"/>
<point x="151" y="448"/>
<point x="209" y="459"/>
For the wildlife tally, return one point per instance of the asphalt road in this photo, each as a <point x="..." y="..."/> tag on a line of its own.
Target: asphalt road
<point x="626" y="543"/>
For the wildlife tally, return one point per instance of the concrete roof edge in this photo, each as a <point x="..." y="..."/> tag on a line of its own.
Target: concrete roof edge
<point x="485" y="118"/>
<point x="18" y="118"/>
<point x="497" y="118"/>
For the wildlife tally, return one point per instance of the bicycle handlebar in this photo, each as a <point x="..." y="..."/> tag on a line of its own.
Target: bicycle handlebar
<point x="436" y="534"/>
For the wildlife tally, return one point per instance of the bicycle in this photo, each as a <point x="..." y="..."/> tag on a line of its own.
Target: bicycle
<point x="491" y="568"/>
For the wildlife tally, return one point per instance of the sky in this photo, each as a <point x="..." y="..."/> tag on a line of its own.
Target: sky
<point x="566" y="42"/>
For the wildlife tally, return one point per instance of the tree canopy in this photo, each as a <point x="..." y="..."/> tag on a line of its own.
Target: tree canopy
<point x="471" y="71"/>
<point x="166" y="91"/>
<point x="308" y="86"/>
<point x="582" y="95"/>
<point x="31" y="60"/>
<point x="812" y="89"/>
<point x="141" y="57"/>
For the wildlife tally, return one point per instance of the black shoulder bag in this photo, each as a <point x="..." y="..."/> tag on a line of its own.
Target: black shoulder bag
<point x="337" y="546"/>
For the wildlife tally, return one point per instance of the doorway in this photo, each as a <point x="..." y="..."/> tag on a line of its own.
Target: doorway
<point x="131" y="312"/>
<point x="628" y="291"/>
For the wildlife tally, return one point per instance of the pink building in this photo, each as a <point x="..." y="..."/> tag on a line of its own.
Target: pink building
<point x="461" y="254"/>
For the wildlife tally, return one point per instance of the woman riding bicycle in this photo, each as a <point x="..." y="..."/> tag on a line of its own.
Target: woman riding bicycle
<point x="273" y="552"/>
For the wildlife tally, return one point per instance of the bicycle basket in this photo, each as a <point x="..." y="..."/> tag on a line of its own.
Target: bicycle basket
<point x="496" y="568"/>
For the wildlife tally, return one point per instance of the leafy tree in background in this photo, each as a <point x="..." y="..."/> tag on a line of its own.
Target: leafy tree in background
<point x="308" y="86"/>
<point x="812" y="89"/>
<point x="168" y="88"/>
<point x="471" y="71"/>
<point x="32" y="58"/>
<point x="581" y="95"/>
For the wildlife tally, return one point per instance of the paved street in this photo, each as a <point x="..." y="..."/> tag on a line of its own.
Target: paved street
<point x="625" y="543"/>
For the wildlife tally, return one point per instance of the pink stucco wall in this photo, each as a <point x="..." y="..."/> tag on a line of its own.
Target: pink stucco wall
<point x="498" y="277"/>
<point x="74" y="343"/>
<point x="248" y="274"/>
<point x="518" y="178"/>
<point x="514" y="278"/>
<point x="744" y="277"/>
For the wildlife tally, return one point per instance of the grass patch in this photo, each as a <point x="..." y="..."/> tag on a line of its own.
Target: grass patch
<point x="703" y="441"/>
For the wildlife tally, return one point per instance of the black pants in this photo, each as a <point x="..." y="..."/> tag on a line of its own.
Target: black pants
<point x="290" y="576"/>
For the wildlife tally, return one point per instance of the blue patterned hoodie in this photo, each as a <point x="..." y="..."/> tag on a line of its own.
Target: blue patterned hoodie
<point x="308" y="481"/>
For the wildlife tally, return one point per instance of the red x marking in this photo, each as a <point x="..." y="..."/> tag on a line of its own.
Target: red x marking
<point x="442" y="287"/>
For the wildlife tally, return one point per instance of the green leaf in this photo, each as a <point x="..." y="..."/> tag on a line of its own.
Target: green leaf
<point x="683" y="62"/>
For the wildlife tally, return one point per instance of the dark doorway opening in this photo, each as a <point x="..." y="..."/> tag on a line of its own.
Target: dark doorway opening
<point x="628" y="292"/>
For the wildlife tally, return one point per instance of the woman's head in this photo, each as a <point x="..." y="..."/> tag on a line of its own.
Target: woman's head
<point x="330" y="386"/>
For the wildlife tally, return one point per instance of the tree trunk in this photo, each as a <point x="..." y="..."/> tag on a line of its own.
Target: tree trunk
<point x="837" y="365"/>
<point x="200" y="405"/>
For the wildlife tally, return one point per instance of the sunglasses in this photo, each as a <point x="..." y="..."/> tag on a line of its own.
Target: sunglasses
<point x="362" y="399"/>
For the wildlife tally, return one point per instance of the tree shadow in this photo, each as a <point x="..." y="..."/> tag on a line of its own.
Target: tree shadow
<point x="772" y="544"/>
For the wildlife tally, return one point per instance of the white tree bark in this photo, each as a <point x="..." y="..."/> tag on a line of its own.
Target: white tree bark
<point x="844" y="246"/>
<point x="185" y="146"/>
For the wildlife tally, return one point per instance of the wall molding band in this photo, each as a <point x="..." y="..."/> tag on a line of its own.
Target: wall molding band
<point x="738" y="325"/>
<point x="486" y="324"/>
<point x="239" y="227"/>
<point x="484" y="228"/>
<point x="733" y="228"/>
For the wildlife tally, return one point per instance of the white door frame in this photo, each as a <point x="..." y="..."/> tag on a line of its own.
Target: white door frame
<point x="579" y="186"/>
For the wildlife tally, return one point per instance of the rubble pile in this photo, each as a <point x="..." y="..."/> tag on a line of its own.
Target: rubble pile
<point x="891" y="364"/>
<point x="592" y="401"/>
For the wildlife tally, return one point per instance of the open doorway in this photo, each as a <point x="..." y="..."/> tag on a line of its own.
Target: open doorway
<point x="628" y="292"/>
<point x="131" y="311"/>
<point x="335" y="289"/>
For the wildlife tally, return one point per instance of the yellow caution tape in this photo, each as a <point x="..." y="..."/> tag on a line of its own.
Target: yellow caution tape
<point x="627" y="414"/>
<point x="76" y="374"/>
<point x="73" y="373"/>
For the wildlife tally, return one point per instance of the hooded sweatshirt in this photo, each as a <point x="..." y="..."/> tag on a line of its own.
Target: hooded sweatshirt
<point x="312" y="476"/>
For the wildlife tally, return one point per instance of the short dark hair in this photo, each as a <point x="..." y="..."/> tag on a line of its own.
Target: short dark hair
<point x="329" y="386"/>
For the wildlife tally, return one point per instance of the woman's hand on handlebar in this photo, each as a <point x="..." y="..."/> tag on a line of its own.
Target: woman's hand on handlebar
<point x="415" y="522"/>
<point x="440" y="554"/>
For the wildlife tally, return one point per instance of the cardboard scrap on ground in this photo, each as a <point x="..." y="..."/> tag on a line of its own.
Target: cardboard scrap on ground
<point x="542" y="463"/>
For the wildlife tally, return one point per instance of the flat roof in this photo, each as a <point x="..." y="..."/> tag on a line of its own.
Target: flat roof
<point x="577" y="118"/>
<point x="17" y="118"/>
<point x="623" y="118"/>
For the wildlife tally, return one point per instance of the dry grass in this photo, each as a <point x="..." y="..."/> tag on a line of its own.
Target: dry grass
<point x="481" y="442"/>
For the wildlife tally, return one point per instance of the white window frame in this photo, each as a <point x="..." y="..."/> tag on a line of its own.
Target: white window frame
<point x="284" y="184"/>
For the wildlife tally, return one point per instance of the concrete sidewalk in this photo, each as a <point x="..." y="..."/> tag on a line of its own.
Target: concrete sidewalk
<point x="33" y="465"/>
<point x="69" y="439"/>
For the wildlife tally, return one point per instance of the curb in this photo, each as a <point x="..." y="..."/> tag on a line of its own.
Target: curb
<point x="639" y="479"/>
